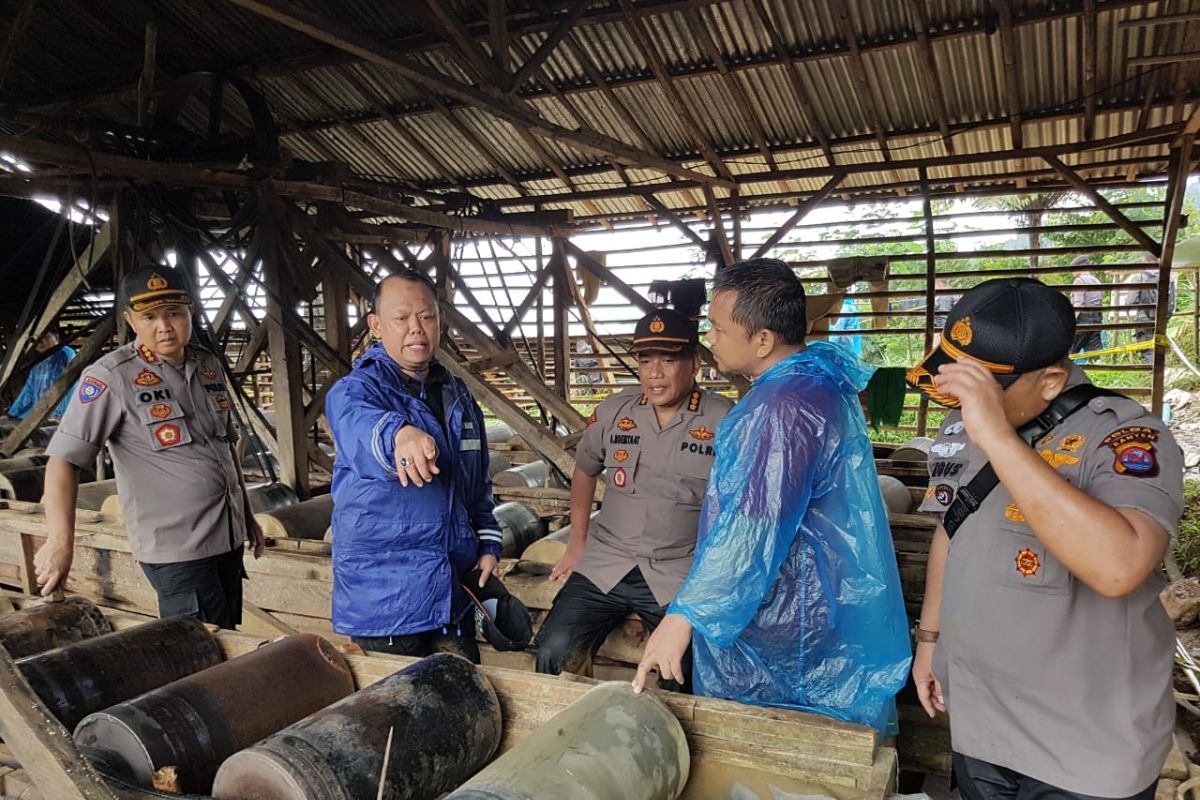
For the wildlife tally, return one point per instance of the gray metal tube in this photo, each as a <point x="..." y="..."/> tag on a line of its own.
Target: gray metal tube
<point x="266" y="497"/>
<point x="520" y="526"/>
<point x="91" y="675"/>
<point x="444" y="719"/>
<point x="610" y="744"/>
<point x="92" y="495"/>
<point x="196" y="722"/>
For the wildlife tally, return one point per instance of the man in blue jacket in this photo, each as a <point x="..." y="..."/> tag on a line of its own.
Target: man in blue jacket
<point x="54" y="360"/>
<point x="412" y="499"/>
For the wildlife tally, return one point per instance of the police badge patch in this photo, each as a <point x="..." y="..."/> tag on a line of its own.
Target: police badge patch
<point x="1133" y="450"/>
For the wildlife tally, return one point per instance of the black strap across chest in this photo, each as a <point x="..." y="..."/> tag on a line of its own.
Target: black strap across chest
<point x="970" y="497"/>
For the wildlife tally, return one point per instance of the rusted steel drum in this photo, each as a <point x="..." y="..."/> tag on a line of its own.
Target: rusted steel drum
<point x="196" y="722"/>
<point x="610" y="744"/>
<point x="307" y="520"/>
<point x="520" y="526"/>
<point x="92" y="495"/>
<point x="527" y="476"/>
<point x="46" y="626"/>
<point x="445" y="724"/>
<point x="266" y="497"/>
<point x="91" y="675"/>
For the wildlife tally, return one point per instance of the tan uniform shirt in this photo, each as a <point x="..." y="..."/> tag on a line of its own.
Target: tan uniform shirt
<point x="1041" y="674"/>
<point x="169" y="430"/>
<point x="656" y="482"/>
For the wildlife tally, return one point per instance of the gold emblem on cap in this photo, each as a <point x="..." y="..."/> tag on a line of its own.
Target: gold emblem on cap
<point x="657" y="326"/>
<point x="961" y="331"/>
<point x="156" y="283"/>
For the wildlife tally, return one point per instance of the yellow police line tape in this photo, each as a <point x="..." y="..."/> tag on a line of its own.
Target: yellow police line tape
<point x="1125" y="348"/>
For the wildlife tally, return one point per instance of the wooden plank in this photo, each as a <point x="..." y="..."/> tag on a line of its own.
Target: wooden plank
<point x="802" y="211"/>
<point x="1181" y="163"/>
<point x="1012" y="75"/>
<point x="561" y="28"/>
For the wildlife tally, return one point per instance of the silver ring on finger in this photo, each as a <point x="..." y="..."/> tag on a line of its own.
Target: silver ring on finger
<point x="404" y="462"/>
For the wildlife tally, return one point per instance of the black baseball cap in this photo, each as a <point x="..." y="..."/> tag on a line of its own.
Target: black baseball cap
<point x="1010" y="325"/>
<point x="503" y="619"/>
<point x="665" y="331"/>
<point x="154" y="286"/>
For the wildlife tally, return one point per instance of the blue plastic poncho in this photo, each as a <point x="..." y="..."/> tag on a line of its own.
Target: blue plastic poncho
<point x="41" y="377"/>
<point x="794" y="593"/>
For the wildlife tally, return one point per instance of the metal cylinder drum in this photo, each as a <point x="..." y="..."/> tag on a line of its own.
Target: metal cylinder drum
<point x="497" y="463"/>
<point x="267" y="497"/>
<point x="92" y="495"/>
<point x="27" y="483"/>
<point x="550" y="548"/>
<point x="520" y="526"/>
<point x="896" y="496"/>
<point x="46" y="626"/>
<point x="445" y="721"/>
<point x="610" y="744"/>
<point x="23" y="462"/>
<point x="915" y="449"/>
<point x="195" y="723"/>
<point x="498" y="433"/>
<point x="527" y="476"/>
<point x="307" y="520"/>
<point x="91" y="675"/>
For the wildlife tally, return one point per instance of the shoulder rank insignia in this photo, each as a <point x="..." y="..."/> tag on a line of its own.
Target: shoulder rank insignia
<point x="91" y="388"/>
<point x="147" y="354"/>
<point x="626" y="424"/>
<point x="1058" y="460"/>
<point x="643" y="401"/>
<point x="146" y="378"/>
<point x="592" y="418"/>
<point x="701" y="434"/>
<point x="1071" y="443"/>
<point x="1133" y="448"/>
<point x="694" y="401"/>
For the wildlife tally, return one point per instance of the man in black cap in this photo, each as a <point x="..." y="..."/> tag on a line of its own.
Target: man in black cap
<point x="655" y="445"/>
<point x="162" y="407"/>
<point x="1041" y="631"/>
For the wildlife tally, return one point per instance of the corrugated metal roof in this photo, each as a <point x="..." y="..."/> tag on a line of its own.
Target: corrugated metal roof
<point x="332" y="106"/>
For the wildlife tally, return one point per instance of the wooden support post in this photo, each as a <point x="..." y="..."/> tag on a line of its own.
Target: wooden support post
<point x="930" y="287"/>
<point x="336" y="302"/>
<point x="718" y="229"/>
<point x="146" y="83"/>
<point x="287" y="377"/>
<point x="1181" y="162"/>
<point x="562" y="323"/>
<point x="540" y="318"/>
<point x="99" y="337"/>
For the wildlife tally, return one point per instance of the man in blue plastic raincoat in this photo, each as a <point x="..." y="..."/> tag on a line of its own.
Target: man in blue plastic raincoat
<point x="793" y="598"/>
<point x="54" y="360"/>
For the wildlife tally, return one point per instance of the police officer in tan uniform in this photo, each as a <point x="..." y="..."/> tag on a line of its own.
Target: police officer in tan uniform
<point x="1041" y="631"/>
<point x="163" y="409"/>
<point x="655" y="445"/>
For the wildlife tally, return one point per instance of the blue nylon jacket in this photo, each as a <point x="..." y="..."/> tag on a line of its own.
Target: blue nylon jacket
<point x="794" y="595"/>
<point x="399" y="552"/>
<point x="39" y="381"/>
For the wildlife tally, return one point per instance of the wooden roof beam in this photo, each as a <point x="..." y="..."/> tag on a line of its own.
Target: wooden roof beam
<point x="465" y="45"/>
<point x="1090" y="44"/>
<point x="593" y="72"/>
<point x="699" y="29"/>
<point x="1114" y="213"/>
<point x="933" y="78"/>
<point x="718" y="229"/>
<point x="802" y="211"/>
<point x="587" y="140"/>
<point x="498" y="34"/>
<point x="1012" y="79"/>
<point x="645" y="42"/>
<point x="867" y="94"/>
<point x="557" y="34"/>
<point x="675" y="220"/>
<point x="804" y="104"/>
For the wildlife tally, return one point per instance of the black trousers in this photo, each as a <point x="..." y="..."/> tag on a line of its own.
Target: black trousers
<point x="458" y="639"/>
<point x="583" y="615"/>
<point x="979" y="780"/>
<point x="209" y="589"/>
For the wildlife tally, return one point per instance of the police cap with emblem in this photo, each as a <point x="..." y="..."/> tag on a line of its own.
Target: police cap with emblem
<point x="1010" y="325"/>
<point x="664" y="331"/>
<point x="154" y="286"/>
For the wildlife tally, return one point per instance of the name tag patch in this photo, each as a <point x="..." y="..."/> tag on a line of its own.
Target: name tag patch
<point x="154" y="396"/>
